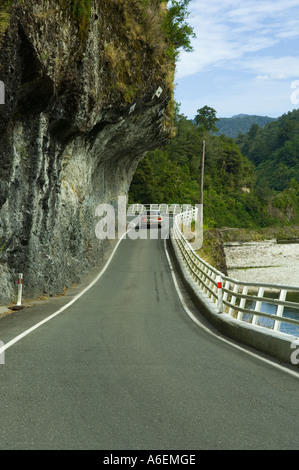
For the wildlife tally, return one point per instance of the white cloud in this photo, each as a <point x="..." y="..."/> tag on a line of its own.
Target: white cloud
<point x="281" y="68"/>
<point x="262" y="77"/>
<point x="229" y="31"/>
<point x="245" y="57"/>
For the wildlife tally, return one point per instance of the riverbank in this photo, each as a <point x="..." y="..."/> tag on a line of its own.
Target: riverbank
<point x="263" y="261"/>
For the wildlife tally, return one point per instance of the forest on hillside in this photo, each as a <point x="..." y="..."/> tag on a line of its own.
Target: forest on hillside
<point x="274" y="150"/>
<point x="250" y="182"/>
<point x="241" y="123"/>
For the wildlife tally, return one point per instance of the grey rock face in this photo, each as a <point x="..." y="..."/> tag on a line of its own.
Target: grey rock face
<point x="70" y="139"/>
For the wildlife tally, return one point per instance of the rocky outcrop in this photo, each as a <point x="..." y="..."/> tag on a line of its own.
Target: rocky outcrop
<point x="213" y="250"/>
<point x="81" y="110"/>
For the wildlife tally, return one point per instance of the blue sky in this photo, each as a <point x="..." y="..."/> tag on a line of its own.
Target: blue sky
<point x="245" y="59"/>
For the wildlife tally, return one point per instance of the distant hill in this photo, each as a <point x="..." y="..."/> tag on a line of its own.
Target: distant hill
<point x="241" y="123"/>
<point x="274" y="150"/>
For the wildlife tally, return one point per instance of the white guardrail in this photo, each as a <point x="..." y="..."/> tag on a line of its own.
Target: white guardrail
<point x="240" y="300"/>
<point x="166" y="209"/>
<point x="232" y="297"/>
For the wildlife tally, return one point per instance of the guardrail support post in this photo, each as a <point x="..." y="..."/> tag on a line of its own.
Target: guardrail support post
<point x="233" y="301"/>
<point x="219" y="294"/>
<point x="20" y="286"/>
<point x="242" y="303"/>
<point x="258" y="305"/>
<point x="280" y="309"/>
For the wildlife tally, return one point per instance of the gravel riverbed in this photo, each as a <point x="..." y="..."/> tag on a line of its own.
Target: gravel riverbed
<point x="266" y="261"/>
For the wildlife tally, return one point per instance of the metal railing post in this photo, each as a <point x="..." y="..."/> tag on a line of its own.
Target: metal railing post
<point x="242" y="303"/>
<point x="233" y="301"/>
<point x="280" y="309"/>
<point x="258" y="305"/>
<point x="219" y="294"/>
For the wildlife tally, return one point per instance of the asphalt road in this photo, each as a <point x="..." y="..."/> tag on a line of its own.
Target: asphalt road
<point x="124" y="367"/>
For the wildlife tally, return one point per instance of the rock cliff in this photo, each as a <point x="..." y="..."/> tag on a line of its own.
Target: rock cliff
<point x="81" y="109"/>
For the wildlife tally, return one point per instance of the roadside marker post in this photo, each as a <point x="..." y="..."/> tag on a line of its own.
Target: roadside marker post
<point x="219" y="294"/>
<point x="20" y="287"/>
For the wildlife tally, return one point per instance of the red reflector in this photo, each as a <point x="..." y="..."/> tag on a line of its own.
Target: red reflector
<point x="219" y="285"/>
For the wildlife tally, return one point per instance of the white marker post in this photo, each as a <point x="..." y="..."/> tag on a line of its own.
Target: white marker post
<point x="20" y="286"/>
<point x="219" y="294"/>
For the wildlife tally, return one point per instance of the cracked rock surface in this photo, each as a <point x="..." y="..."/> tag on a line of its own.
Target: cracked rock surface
<point x="71" y="136"/>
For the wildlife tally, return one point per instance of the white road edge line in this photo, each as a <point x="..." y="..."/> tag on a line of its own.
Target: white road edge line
<point x="53" y="315"/>
<point x="198" y="322"/>
<point x="190" y="314"/>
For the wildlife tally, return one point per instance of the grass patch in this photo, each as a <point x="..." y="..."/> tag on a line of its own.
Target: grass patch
<point x="267" y="233"/>
<point x="4" y="22"/>
<point x="212" y="250"/>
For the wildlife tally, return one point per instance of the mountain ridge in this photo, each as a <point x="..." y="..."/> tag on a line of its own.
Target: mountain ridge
<point x="240" y="123"/>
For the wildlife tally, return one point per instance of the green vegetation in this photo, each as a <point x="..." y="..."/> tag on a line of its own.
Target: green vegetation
<point x="4" y="17"/>
<point x="274" y="150"/>
<point x="212" y="250"/>
<point x="238" y="192"/>
<point x="172" y="22"/>
<point x="81" y="10"/>
<point x="140" y="40"/>
<point x="205" y="119"/>
<point x="241" y="123"/>
<point x="4" y="22"/>
<point x="177" y="31"/>
<point x="2" y="247"/>
<point x="172" y="175"/>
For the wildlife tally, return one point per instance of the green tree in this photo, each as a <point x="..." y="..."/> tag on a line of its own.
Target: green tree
<point x="178" y="32"/>
<point x="274" y="150"/>
<point x="172" y="175"/>
<point x="205" y="119"/>
<point x="253" y="131"/>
